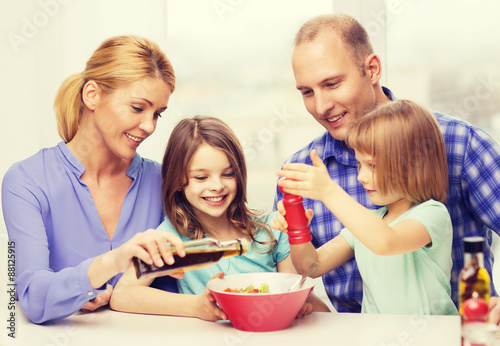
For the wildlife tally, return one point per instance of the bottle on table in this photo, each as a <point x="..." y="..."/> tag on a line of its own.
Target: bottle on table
<point x="474" y="284"/>
<point x="200" y="253"/>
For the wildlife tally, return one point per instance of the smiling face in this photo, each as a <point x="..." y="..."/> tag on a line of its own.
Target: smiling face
<point x="212" y="184"/>
<point x="127" y="116"/>
<point x="334" y="89"/>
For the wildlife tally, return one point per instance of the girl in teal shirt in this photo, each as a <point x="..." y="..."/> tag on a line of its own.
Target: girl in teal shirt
<point x="403" y="249"/>
<point x="204" y="195"/>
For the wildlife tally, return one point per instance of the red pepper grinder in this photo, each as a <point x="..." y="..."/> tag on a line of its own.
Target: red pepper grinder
<point x="298" y="232"/>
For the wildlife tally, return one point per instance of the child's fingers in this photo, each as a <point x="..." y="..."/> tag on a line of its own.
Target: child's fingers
<point x="295" y="167"/>
<point x="177" y="275"/>
<point x="273" y="225"/>
<point x="316" y="160"/>
<point x="279" y="223"/>
<point x="309" y="214"/>
<point x="280" y="218"/>
<point x="281" y="207"/>
<point x="219" y="275"/>
<point x="293" y="179"/>
<point x="287" y="173"/>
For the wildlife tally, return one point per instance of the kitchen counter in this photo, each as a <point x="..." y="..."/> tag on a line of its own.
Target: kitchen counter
<point x="107" y="327"/>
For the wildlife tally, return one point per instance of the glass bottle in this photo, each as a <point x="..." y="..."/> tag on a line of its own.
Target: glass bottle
<point x="199" y="253"/>
<point x="474" y="284"/>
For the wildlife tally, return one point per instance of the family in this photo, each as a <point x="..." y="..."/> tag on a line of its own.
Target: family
<point x="390" y="190"/>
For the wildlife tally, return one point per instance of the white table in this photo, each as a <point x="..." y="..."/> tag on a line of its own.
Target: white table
<point x="107" y="327"/>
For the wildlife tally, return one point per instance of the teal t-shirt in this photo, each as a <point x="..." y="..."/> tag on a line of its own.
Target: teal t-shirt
<point x="411" y="283"/>
<point x="194" y="281"/>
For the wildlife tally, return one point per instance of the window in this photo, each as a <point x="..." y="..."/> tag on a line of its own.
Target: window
<point x="444" y="55"/>
<point x="233" y="61"/>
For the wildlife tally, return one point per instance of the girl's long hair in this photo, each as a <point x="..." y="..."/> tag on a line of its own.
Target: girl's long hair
<point x="184" y="141"/>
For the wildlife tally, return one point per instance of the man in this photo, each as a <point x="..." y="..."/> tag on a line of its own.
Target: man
<point x="338" y="75"/>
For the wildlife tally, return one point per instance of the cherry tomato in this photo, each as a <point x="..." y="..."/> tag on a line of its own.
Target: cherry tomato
<point x="232" y="290"/>
<point x="475" y="309"/>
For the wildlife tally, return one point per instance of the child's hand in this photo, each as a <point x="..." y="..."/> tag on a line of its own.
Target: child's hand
<point x="313" y="182"/>
<point x="305" y="310"/>
<point x="279" y="221"/>
<point x="206" y="305"/>
<point x="101" y="300"/>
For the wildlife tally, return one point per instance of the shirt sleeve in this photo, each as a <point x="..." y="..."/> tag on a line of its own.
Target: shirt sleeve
<point x="482" y="176"/>
<point x="348" y="236"/>
<point x="436" y="219"/>
<point x="283" y="248"/>
<point x="43" y="294"/>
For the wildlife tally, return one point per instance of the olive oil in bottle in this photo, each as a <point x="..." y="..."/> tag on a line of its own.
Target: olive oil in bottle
<point x="199" y="253"/>
<point x="474" y="284"/>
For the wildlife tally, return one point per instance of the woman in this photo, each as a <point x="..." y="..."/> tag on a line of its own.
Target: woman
<point x="74" y="210"/>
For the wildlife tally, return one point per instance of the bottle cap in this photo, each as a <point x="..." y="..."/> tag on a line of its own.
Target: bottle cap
<point x="473" y="244"/>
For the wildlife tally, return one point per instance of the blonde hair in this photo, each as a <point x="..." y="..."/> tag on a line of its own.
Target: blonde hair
<point x="408" y="150"/>
<point x="352" y="34"/>
<point x="117" y="62"/>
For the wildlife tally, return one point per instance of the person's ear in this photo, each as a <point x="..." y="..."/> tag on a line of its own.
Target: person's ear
<point x="373" y="68"/>
<point x="90" y="94"/>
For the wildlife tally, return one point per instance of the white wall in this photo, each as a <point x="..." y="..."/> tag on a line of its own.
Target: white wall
<point x="42" y="43"/>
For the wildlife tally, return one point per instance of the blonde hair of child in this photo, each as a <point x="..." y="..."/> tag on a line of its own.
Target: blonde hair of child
<point x="408" y="149"/>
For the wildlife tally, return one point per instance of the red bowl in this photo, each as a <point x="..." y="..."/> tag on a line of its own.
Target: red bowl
<point x="261" y="312"/>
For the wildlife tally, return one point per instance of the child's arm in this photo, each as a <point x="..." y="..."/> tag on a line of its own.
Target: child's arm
<point x="314" y="182"/>
<point x="133" y="295"/>
<point x="329" y="256"/>
<point x="313" y="302"/>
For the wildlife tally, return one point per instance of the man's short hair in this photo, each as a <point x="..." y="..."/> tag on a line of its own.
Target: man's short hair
<point x="352" y="33"/>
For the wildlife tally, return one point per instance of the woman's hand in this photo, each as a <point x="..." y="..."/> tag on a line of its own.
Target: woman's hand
<point x="151" y="246"/>
<point x="207" y="306"/>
